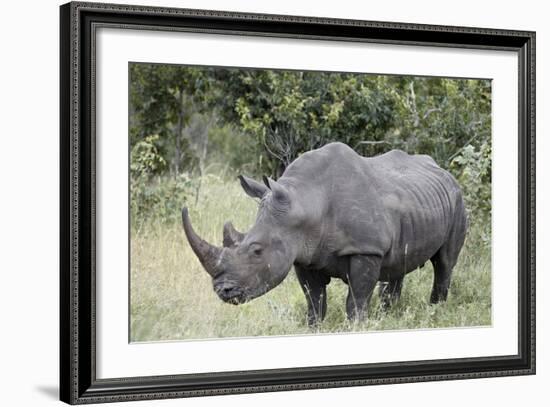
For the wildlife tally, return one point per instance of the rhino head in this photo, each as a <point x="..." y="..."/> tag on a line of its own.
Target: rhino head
<point x="250" y="264"/>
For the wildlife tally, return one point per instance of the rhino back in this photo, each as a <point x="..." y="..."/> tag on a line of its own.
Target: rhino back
<point x="397" y="206"/>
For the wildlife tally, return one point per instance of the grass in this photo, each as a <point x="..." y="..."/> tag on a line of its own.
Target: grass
<point x="172" y="298"/>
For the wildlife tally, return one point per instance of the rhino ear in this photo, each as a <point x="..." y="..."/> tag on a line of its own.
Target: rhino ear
<point x="280" y="193"/>
<point x="253" y="188"/>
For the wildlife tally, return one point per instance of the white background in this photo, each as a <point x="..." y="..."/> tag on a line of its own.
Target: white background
<point x="29" y="202"/>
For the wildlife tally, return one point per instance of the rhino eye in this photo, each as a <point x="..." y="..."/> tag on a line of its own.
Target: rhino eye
<point x="256" y="249"/>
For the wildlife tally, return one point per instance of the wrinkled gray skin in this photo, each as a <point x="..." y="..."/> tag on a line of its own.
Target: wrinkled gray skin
<point x="336" y="214"/>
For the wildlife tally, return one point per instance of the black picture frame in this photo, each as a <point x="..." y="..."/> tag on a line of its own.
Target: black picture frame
<point x="78" y="382"/>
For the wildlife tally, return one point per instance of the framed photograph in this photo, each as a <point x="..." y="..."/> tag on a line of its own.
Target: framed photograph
<point x="254" y="203"/>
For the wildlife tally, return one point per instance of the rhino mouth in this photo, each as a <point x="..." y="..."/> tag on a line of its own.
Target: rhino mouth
<point x="237" y="300"/>
<point x="231" y="295"/>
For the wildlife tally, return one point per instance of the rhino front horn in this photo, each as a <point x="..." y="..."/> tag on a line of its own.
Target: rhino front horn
<point x="207" y="254"/>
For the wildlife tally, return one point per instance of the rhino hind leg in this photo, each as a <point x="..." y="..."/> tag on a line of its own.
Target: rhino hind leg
<point x="390" y="292"/>
<point x="442" y="278"/>
<point x="444" y="262"/>
<point x="446" y="257"/>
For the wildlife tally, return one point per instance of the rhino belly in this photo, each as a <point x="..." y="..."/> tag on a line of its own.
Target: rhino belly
<point x="421" y="210"/>
<point x="417" y="239"/>
<point x="405" y="260"/>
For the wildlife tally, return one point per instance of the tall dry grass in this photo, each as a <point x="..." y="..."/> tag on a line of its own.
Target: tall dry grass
<point x="171" y="296"/>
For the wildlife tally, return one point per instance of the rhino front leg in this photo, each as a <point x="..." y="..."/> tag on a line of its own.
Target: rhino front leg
<point x="390" y="292"/>
<point x="314" y="285"/>
<point x="362" y="278"/>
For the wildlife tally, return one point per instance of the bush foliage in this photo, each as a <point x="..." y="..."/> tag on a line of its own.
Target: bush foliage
<point x="187" y="123"/>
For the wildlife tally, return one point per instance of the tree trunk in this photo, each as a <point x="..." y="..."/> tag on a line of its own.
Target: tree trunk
<point x="178" y="135"/>
<point x="198" y="190"/>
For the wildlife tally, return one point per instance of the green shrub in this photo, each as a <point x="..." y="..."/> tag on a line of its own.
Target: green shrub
<point x="154" y="196"/>
<point x="473" y="170"/>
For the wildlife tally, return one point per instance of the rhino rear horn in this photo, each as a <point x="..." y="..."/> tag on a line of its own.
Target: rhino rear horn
<point x="231" y="237"/>
<point x="207" y="254"/>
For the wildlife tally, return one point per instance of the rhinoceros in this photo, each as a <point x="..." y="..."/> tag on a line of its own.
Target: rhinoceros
<point x="336" y="214"/>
